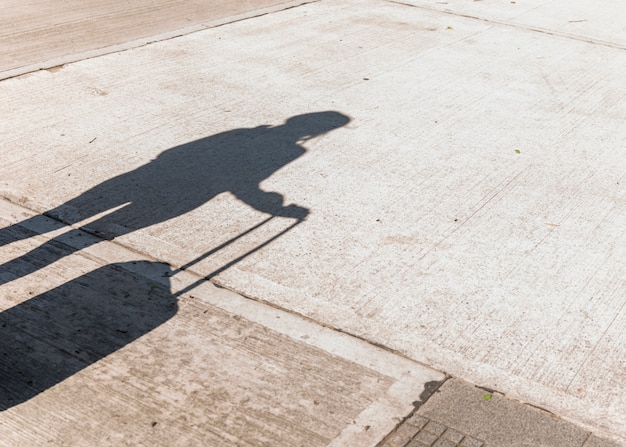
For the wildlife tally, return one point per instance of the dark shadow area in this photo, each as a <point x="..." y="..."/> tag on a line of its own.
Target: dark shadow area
<point x="52" y="336"/>
<point x="48" y="338"/>
<point x="430" y="388"/>
<point x="185" y="177"/>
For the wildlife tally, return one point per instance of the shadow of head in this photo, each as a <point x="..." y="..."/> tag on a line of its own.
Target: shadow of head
<point x="311" y="125"/>
<point x="52" y="336"/>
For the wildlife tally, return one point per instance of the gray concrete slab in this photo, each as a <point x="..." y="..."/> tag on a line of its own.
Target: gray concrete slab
<point x="106" y="348"/>
<point x="41" y="34"/>
<point x="459" y="414"/>
<point x="470" y="215"/>
<point x="596" y="441"/>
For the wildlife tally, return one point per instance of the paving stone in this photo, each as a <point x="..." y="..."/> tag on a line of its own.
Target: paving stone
<point x="417" y="443"/>
<point x="441" y="442"/>
<point x="426" y="438"/>
<point x="395" y="440"/>
<point x="458" y="416"/>
<point x="471" y="442"/>
<point x="417" y="421"/>
<point x="498" y="421"/>
<point x="407" y="431"/>
<point x="435" y="428"/>
<point x="453" y="435"/>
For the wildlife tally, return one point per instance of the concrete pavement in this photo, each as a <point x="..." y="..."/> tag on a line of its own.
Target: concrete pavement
<point x="461" y="171"/>
<point x="43" y="34"/>
<point x="105" y="348"/>
<point x="459" y="414"/>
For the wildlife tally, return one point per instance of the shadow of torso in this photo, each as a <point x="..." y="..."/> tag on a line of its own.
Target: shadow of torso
<point x="185" y="177"/>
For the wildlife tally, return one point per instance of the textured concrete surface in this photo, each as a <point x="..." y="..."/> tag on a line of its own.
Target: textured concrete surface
<point x="43" y="34"/>
<point x="418" y="431"/>
<point x="462" y="415"/>
<point x="582" y="19"/>
<point x="595" y="441"/>
<point x="496" y="420"/>
<point x="116" y="353"/>
<point x="471" y="214"/>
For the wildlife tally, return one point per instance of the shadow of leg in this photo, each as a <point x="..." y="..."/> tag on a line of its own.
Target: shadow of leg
<point x="44" y="255"/>
<point x="28" y="228"/>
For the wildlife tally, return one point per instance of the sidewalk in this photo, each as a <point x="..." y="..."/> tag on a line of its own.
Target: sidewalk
<point x="461" y="170"/>
<point x="105" y="347"/>
<point x="109" y="348"/>
<point x="45" y="34"/>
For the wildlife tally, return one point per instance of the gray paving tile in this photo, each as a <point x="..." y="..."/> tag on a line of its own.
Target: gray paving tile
<point x="395" y="440"/>
<point x="441" y="442"/>
<point x="453" y="435"/>
<point x="417" y="443"/>
<point x="461" y="417"/>
<point x="417" y="421"/>
<point x="596" y="441"/>
<point x="435" y="428"/>
<point x="426" y="438"/>
<point x="471" y="442"/>
<point x="498" y="421"/>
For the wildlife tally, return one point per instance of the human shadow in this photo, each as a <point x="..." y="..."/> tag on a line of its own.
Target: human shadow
<point x="185" y="177"/>
<point x="56" y="334"/>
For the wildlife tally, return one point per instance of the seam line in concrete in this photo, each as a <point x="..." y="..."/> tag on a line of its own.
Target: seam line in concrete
<point x="144" y="41"/>
<point x="549" y="32"/>
<point x="368" y="428"/>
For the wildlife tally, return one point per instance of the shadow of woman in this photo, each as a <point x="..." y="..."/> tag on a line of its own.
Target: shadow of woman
<point x="52" y="336"/>
<point x="185" y="177"/>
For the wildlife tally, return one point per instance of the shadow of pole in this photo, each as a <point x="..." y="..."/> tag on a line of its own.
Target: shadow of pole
<point x="235" y="261"/>
<point x="180" y="180"/>
<point x="48" y="338"/>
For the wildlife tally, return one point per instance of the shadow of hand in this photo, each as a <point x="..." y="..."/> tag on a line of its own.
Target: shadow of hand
<point x="295" y="212"/>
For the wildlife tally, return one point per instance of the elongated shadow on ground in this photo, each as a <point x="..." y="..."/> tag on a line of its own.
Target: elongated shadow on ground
<point x="184" y="178"/>
<point x="56" y="334"/>
<point x="48" y="338"/>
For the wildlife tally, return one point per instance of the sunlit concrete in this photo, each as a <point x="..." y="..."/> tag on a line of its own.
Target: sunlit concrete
<point x="41" y="34"/>
<point x="106" y="347"/>
<point x="471" y="215"/>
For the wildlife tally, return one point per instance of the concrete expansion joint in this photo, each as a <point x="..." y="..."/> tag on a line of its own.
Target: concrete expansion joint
<point x="506" y="23"/>
<point x="60" y="62"/>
